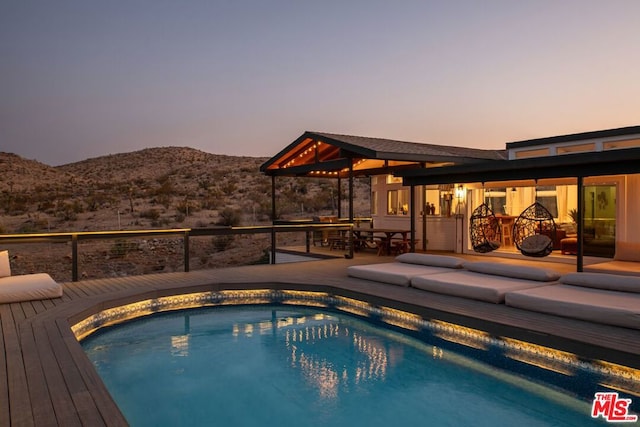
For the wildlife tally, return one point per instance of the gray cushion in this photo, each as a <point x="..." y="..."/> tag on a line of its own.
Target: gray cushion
<point x="515" y="271"/>
<point x="432" y="260"/>
<point x="536" y="245"/>
<point x="612" y="282"/>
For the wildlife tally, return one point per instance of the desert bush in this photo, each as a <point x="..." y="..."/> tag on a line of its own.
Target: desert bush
<point x="222" y="243"/>
<point x="152" y="214"/>
<point x="122" y="247"/>
<point x="230" y="217"/>
<point x="228" y="187"/>
<point x="66" y="212"/>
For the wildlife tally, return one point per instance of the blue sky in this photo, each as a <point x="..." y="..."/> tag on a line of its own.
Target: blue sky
<point x="81" y="79"/>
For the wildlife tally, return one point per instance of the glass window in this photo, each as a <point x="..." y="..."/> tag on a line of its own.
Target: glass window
<point x="398" y="202"/>
<point x="627" y="143"/>
<point x="393" y="180"/>
<point x="432" y="202"/>
<point x="532" y="153"/>
<point x="576" y="148"/>
<point x="547" y="197"/>
<point x="496" y="199"/>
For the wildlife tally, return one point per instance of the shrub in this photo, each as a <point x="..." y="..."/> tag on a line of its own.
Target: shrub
<point x="230" y="217"/>
<point x="122" y="248"/>
<point x="222" y="243"/>
<point x="152" y="214"/>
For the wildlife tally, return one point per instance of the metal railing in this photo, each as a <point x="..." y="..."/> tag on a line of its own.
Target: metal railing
<point x="185" y="233"/>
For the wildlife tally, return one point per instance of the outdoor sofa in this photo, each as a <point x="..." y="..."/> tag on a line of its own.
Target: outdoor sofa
<point x="486" y="281"/>
<point x="25" y="287"/>
<point x="610" y="299"/>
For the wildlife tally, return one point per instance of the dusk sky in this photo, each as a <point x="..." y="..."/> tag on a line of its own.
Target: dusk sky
<point x="81" y="79"/>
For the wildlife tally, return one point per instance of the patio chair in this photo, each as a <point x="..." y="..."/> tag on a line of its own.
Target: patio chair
<point x="532" y="231"/>
<point x="484" y="229"/>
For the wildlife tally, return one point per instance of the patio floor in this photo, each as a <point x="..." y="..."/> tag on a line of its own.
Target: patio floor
<point x="45" y="378"/>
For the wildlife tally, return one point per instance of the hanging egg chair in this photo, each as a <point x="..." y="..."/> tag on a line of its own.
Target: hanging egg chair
<point x="534" y="231"/>
<point x="484" y="229"/>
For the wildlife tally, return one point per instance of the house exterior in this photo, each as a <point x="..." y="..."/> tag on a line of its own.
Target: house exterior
<point x="589" y="182"/>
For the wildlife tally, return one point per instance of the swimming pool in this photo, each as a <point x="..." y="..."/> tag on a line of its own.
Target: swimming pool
<point x="291" y="365"/>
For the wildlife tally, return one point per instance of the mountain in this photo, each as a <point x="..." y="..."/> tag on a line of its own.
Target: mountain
<point x="152" y="164"/>
<point x="153" y="188"/>
<point x="20" y="174"/>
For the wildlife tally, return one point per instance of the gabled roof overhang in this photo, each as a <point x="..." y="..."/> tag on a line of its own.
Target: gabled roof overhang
<point x="331" y="155"/>
<point x="613" y="162"/>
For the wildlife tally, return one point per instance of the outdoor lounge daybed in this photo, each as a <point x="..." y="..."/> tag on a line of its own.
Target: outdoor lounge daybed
<point x="595" y="297"/>
<point x="486" y="281"/>
<point x="405" y="267"/>
<point x="25" y="287"/>
<point x="626" y="261"/>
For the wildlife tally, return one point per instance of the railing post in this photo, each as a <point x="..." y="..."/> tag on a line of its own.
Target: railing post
<point x="186" y="251"/>
<point x="309" y="235"/>
<point x="74" y="257"/>
<point x="273" y="244"/>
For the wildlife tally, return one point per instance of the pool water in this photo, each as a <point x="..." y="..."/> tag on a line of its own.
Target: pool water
<point x="291" y="366"/>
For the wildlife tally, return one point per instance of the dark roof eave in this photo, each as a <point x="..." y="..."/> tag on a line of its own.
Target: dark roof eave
<point x="425" y="158"/>
<point x="630" y="130"/>
<point x="571" y="165"/>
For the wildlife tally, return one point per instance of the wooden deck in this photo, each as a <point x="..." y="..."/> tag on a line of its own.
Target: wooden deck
<point x="46" y="379"/>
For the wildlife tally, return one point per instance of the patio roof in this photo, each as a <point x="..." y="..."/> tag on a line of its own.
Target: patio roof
<point x="611" y="162"/>
<point x="330" y="155"/>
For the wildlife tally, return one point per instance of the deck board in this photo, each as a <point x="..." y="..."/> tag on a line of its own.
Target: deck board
<point x="80" y="395"/>
<point x="19" y="399"/>
<point x="58" y="393"/>
<point x="43" y="412"/>
<point x="4" y="389"/>
<point x="46" y="379"/>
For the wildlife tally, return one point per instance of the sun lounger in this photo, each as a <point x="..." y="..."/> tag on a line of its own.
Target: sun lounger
<point x="626" y="261"/>
<point x="486" y="281"/>
<point x="405" y="267"/>
<point x="595" y="297"/>
<point x="25" y="287"/>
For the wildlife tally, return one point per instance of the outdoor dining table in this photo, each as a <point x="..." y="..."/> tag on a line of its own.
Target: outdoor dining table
<point x="384" y="234"/>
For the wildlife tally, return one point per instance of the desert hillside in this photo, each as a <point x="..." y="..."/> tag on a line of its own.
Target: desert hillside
<point x="153" y="188"/>
<point x="170" y="187"/>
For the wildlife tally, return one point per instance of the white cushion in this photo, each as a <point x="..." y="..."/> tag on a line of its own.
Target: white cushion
<point x="613" y="282"/>
<point x="5" y="267"/>
<point x="394" y="273"/>
<point x="431" y="260"/>
<point x="515" y="271"/>
<point x="467" y="284"/>
<point x="627" y="251"/>
<point x="28" y="287"/>
<point x="593" y="305"/>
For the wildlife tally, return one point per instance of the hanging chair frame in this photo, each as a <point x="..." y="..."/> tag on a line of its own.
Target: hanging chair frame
<point x="534" y="231"/>
<point x="484" y="229"/>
